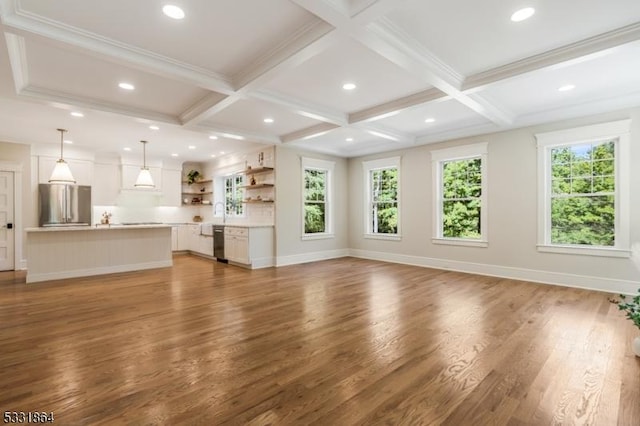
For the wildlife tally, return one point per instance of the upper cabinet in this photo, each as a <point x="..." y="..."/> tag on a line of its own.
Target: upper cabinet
<point x="82" y="170"/>
<point x="130" y="175"/>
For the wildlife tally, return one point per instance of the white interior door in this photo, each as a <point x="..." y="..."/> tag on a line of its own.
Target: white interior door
<point x="7" y="230"/>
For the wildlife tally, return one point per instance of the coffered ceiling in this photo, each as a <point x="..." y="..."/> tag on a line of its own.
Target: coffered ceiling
<point x="424" y="71"/>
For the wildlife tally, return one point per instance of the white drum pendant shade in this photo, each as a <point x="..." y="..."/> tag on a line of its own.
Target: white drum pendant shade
<point x="61" y="172"/>
<point x="144" y="178"/>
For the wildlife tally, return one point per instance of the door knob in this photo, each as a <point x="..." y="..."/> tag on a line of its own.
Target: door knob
<point x="9" y="225"/>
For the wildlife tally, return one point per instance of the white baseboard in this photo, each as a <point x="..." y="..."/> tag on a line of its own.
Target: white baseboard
<point x="545" y="277"/>
<point x="263" y="262"/>
<point x="311" y="257"/>
<point x="22" y="265"/>
<point x="32" y="278"/>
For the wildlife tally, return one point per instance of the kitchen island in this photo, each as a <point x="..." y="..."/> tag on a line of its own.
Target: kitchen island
<point x="77" y="251"/>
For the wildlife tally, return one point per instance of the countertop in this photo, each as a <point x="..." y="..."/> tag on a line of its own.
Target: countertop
<point x="94" y="228"/>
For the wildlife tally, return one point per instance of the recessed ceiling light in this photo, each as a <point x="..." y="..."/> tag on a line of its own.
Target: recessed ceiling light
<point x="213" y="156"/>
<point x="349" y="139"/>
<point x="173" y="11"/>
<point x="192" y="147"/>
<point x="268" y="120"/>
<point x="152" y="127"/>
<point x="77" y="114"/>
<point x="566" y="88"/>
<point x="221" y="152"/>
<point x="127" y="148"/>
<point x="213" y="137"/>
<point x="348" y="86"/>
<point x="174" y="155"/>
<point x="126" y="86"/>
<point x="68" y="142"/>
<point x="522" y="14"/>
<point x="430" y="120"/>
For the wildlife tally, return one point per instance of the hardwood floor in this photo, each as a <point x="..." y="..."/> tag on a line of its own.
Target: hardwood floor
<point x="339" y="342"/>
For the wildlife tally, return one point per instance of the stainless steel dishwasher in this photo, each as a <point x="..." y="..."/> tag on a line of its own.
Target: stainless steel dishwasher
<point x="218" y="243"/>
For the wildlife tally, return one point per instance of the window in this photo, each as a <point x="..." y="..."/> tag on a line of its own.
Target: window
<point x="233" y="195"/>
<point x="583" y="185"/>
<point x="316" y="196"/>
<point x="382" y="209"/>
<point x="460" y="196"/>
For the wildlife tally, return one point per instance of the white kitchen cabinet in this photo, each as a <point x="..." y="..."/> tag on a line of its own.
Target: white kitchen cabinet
<point x="106" y="187"/>
<point x="171" y="188"/>
<point x="249" y="246"/>
<point x="205" y="245"/>
<point x="184" y="237"/>
<point x="236" y="244"/>
<point x="82" y="170"/>
<point x="174" y="238"/>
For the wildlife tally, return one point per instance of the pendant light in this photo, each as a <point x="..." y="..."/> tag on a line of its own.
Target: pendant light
<point x="61" y="172"/>
<point x="144" y="178"/>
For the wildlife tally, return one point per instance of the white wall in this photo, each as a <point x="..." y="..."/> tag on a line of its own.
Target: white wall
<point x="512" y="180"/>
<point x="21" y="155"/>
<point x="290" y="248"/>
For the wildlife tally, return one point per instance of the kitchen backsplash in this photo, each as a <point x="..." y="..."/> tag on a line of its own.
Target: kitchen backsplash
<point x="119" y="214"/>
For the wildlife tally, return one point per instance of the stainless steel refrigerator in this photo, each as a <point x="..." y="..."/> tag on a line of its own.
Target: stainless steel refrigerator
<point x="62" y="205"/>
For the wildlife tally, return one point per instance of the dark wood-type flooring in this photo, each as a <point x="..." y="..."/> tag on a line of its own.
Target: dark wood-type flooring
<point x="338" y="342"/>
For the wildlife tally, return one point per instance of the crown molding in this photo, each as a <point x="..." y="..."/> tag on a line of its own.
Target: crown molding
<point x="220" y="131"/>
<point x="582" y="109"/>
<point x="58" y="98"/>
<point x="396" y="105"/>
<point x="400" y="40"/>
<point x="458" y="132"/>
<point x="18" y="59"/>
<point x="305" y="109"/>
<point x="566" y="53"/>
<point x="369" y="11"/>
<point x="206" y="107"/>
<point x="28" y="23"/>
<point x="308" y="41"/>
<point x="390" y="134"/>
<point x="316" y="129"/>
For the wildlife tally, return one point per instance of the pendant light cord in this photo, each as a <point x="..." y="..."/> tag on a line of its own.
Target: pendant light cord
<point x="62" y="143"/>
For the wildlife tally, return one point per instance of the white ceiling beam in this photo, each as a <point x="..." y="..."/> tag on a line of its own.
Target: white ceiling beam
<point x="333" y="13"/>
<point x="375" y="10"/>
<point x="580" y="49"/>
<point x="305" y="109"/>
<point x="309" y="132"/>
<point x="308" y="42"/>
<point x="232" y="133"/>
<point x="61" y="99"/>
<point x="18" y="60"/>
<point x="25" y="23"/>
<point x="394" y="44"/>
<point x="396" y="105"/>
<point x="206" y="107"/>
<point x="385" y="132"/>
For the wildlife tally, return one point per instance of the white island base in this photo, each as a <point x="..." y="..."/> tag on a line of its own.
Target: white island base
<point x="67" y="252"/>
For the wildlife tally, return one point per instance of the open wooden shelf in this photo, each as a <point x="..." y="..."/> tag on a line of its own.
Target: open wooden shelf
<point x="257" y="170"/>
<point x="257" y="186"/>
<point x="257" y="201"/>
<point x="198" y="182"/>
<point x="197" y="193"/>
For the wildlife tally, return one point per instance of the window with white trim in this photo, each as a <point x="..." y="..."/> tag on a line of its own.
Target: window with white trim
<point x="234" y="195"/>
<point x="460" y="195"/>
<point x="317" y="203"/>
<point x="382" y="208"/>
<point x="583" y="190"/>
